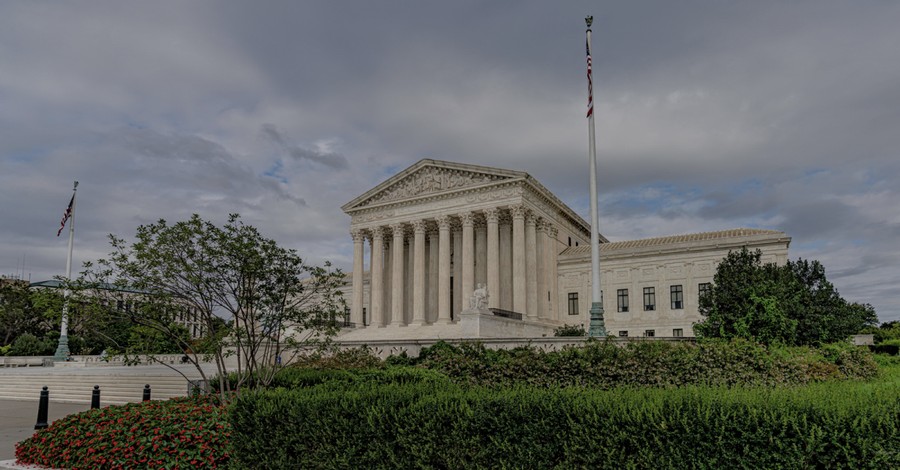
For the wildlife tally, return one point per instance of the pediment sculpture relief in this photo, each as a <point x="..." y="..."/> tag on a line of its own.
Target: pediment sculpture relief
<point x="431" y="180"/>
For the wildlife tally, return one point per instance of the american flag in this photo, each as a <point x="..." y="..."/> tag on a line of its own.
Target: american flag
<point x="66" y="215"/>
<point x="590" y="110"/>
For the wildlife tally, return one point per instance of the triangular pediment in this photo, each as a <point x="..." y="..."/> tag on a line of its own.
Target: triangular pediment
<point x="431" y="177"/>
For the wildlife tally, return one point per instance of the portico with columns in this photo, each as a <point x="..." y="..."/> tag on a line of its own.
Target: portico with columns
<point x="437" y="230"/>
<point x="427" y="237"/>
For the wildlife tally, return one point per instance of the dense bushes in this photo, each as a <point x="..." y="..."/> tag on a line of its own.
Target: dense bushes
<point x="645" y="404"/>
<point x="30" y="345"/>
<point x="570" y="330"/>
<point x="648" y="363"/>
<point x="178" y="433"/>
<point x="418" y="425"/>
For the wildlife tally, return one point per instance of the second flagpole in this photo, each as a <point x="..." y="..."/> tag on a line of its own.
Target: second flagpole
<point x="597" y="327"/>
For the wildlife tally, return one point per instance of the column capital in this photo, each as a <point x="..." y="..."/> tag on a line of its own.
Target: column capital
<point x="398" y="229"/>
<point x="518" y="211"/>
<point x="358" y="235"/>
<point x="419" y="226"/>
<point x="492" y="215"/>
<point x="552" y="230"/>
<point x="378" y="233"/>
<point x="531" y="219"/>
<point x="467" y="218"/>
<point x="443" y="221"/>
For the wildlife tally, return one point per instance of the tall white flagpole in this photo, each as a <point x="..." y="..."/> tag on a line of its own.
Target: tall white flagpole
<point x="597" y="327"/>
<point x="62" y="349"/>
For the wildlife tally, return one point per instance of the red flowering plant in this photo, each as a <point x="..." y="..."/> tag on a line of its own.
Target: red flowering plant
<point x="177" y="433"/>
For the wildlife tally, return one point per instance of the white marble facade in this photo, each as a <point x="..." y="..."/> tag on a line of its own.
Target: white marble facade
<point x="426" y="237"/>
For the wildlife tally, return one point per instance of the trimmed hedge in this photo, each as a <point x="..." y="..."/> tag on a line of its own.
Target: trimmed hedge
<point x="419" y="425"/>
<point x="605" y="364"/>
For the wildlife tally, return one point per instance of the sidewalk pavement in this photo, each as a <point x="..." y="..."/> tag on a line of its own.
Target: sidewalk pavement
<point x="17" y="419"/>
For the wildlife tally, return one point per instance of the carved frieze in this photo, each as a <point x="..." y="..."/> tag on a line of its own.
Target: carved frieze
<point x="494" y="195"/>
<point x="430" y="180"/>
<point x="364" y="218"/>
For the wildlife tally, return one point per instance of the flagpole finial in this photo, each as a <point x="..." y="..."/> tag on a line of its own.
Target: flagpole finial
<point x="76" y="185"/>
<point x="588" y="20"/>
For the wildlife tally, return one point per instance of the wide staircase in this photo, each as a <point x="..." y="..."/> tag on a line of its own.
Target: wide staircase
<point x="118" y="385"/>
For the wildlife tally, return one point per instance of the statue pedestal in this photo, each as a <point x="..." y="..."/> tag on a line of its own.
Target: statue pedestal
<point x="482" y="323"/>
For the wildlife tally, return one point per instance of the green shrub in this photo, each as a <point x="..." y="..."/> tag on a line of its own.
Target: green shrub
<point x="294" y="378"/>
<point x="353" y="358"/>
<point x="420" y="426"/>
<point x="570" y="330"/>
<point x="178" y="433"/>
<point x="29" y="345"/>
<point x="606" y="364"/>
<point x="889" y="346"/>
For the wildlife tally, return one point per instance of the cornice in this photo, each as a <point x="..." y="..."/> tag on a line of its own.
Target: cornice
<point x="676" y="249"/>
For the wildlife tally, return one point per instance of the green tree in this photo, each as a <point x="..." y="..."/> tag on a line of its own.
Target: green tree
<point x="887" y="331"/>
<point x="196" y="268"/>
<point x="18" y="314"/>
<point x="790" y="304"/>
<point x="153" y="341"/>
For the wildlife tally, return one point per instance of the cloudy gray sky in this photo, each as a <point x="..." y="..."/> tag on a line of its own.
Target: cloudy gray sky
<point x="710" y="115"/>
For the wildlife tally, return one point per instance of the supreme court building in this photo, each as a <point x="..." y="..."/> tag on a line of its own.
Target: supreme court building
<point x="425" y="239"/>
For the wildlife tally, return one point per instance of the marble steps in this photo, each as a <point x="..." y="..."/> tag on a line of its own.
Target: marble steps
<point x="77" y="388"/>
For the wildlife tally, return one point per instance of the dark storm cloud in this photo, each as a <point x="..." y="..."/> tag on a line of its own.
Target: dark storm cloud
<point x="329" y="159"/>
<point x="190" y="161"/>
<point x="710" y="115"/>
<point x="820" y="219"/>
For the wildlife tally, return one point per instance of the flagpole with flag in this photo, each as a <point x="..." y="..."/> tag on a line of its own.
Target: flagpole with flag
<point x="62" y="349"/>
<point x="597" y="327"/>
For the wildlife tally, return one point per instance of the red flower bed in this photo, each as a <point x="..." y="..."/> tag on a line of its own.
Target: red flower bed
<point x="177" y="433"/>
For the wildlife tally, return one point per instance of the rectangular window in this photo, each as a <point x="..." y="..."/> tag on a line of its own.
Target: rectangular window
<point x="573" y="303"/>
<point x="649" y="299"/>
<point x="622" y="296"/>
<point x="677" y="333"/>
<point x="703" y="288"/>
<point x="623" y="333"/>
<point x="650" y="333"/>
<point x="677" y="297"/>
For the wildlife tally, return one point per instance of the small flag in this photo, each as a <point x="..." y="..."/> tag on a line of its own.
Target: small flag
<point x="590" y="110"/>
<point x="66" y="215"/>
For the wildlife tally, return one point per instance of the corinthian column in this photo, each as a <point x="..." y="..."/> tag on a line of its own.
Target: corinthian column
<point x="376" y="290"/>
<point x="358" y="253"/>
<point x="520" y="299"/>
<point x="543" y="296"/>
<point x="493" y="256"/>
<point x="443" y="269"/>
<point x="419" y="272"/>
<point x="397" y="278"/>
<point x="468" y="257"/>
<point x="531" y="266"/>
<point x="432" y="283"/>
<point x="553" y="276"/>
